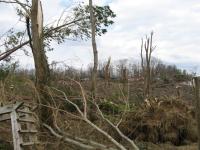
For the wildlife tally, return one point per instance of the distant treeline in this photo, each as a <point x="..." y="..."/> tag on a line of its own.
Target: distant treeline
<point x="115" y="71"/>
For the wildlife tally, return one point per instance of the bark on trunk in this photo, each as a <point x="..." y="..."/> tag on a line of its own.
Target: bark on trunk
<point x="42" y="72"/>
<point x="94" y="46"/>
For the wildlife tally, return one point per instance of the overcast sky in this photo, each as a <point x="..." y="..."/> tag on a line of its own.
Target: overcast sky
<point x="176" y="24"/>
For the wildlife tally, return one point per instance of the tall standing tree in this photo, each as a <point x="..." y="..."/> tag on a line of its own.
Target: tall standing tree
<point x="42" y="72"/>
<point x="94" y="46"/>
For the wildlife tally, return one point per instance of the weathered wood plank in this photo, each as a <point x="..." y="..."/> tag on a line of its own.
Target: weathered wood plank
<point x="9" y="108"/>
<point x="32" y="127"/>
<point x="15" y="128"/>
<point x="29" y="143"/>
<point x="6" y="109"/>
<point x="4" y="117"/>
<point x="18" y="113"/>
<point x="26" y="120"/>
<point x="28" y="131"/>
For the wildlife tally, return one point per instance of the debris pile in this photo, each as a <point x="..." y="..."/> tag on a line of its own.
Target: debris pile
<point x="161" y="122"/>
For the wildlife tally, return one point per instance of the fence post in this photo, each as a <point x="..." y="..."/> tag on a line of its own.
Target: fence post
<point x="197" y="103"/>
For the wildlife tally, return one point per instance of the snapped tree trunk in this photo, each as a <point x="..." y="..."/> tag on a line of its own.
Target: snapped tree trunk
<point x="42" y="72"/>
<point x="107" y="71"/>
<point x="148" y="80"/>
<point x="148" y="47"/>
<point x="95" y="52"/>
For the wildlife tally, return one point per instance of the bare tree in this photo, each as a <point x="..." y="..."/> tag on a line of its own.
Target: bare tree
<point x="94" y="46"/>
<point x="148" y="48"/>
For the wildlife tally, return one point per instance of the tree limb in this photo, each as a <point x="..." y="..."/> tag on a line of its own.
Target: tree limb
<point x="47" y="34"/>
<point x="4" y="1"/>
<point x="134" y="146"/>
<point x="9" y="52"/>
<point x="68" y="140"/>
<point x="104" y="133"/>
<point x="17" y="2"/>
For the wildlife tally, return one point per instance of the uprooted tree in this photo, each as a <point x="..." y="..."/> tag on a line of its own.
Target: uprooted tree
<point x="40" y="37"/>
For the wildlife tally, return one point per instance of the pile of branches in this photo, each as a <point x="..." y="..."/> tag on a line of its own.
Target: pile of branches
<point x="161" y="122"/>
